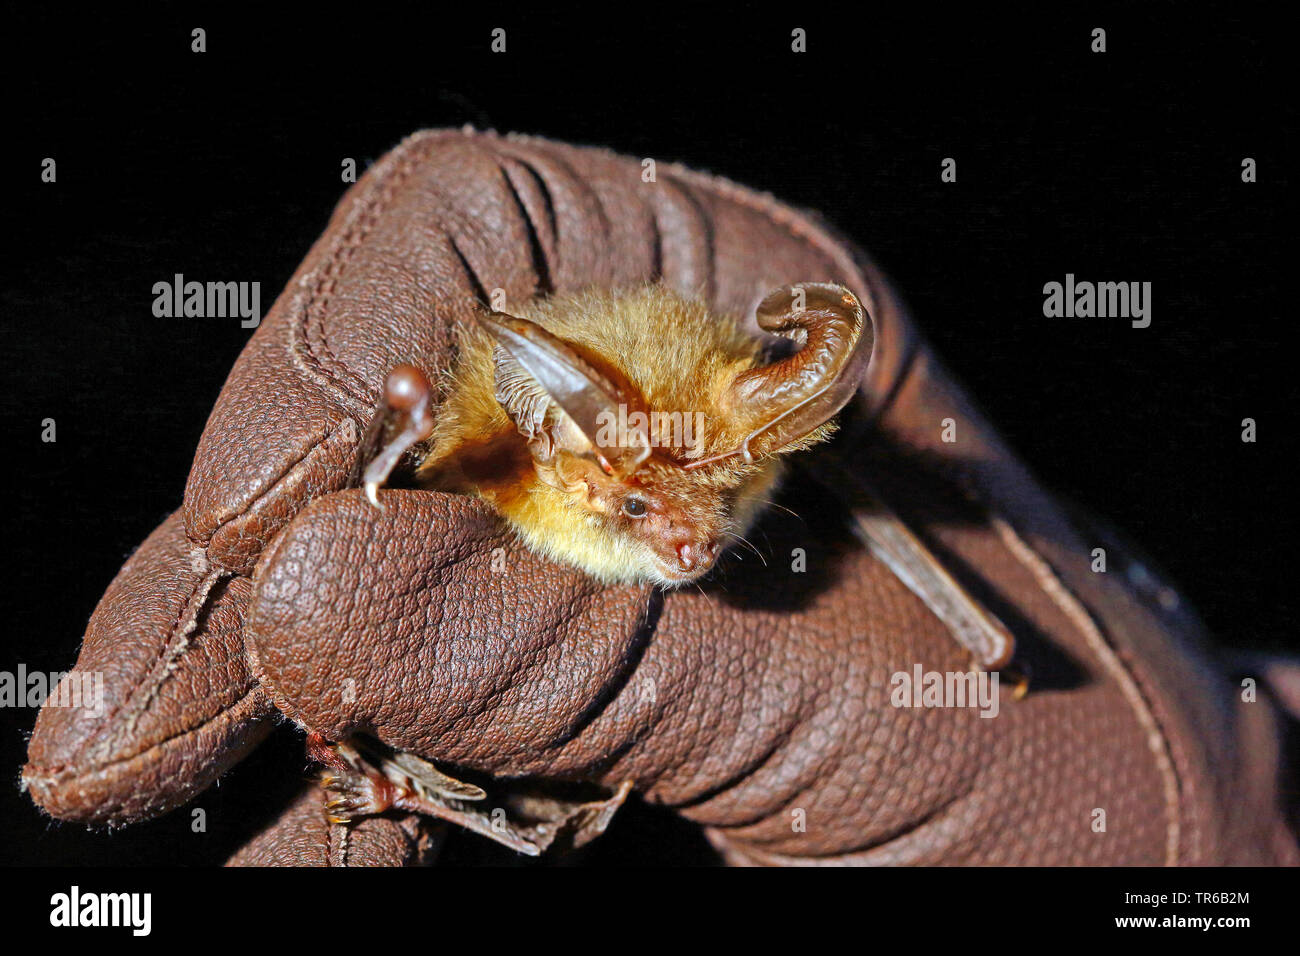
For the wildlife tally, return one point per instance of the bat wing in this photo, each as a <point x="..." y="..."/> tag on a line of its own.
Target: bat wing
<point x="890" y="539"/>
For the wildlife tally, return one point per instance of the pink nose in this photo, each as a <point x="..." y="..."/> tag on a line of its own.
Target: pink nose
<point x="692" y="555"/>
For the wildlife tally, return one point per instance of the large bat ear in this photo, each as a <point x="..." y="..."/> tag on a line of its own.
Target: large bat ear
<point x="558" y="401"/>
<point x="793" y="397"/>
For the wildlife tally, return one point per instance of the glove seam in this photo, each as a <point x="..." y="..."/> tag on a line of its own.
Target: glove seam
<point x="321" y="281"/>
<point x="1129" y="685"/>
<point x="64" y="772"/>
<point x="185" y="621"/>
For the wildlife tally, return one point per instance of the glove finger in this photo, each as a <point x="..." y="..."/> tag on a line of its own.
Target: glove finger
<point x="161" y="701"/>
<point x="429" y="626"/>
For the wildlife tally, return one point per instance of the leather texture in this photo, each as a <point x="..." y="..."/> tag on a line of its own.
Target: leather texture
<point x="180" y="705"/>
<point x="758" y="707"/>
<point x="301" y="836"/>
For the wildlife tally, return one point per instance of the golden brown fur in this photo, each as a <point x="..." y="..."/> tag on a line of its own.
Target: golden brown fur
<point x="679" y="358"/>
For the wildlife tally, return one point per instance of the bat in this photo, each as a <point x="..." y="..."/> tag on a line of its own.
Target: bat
<point x="635" y="435"/>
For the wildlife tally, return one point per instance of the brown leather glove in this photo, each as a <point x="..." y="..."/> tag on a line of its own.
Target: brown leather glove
<point x="759" y="707"/>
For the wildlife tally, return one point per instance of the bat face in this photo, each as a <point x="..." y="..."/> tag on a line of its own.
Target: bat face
<point x="679" y="534"/>
<point x="634" y="434"/>
<point x="669" y="523"/>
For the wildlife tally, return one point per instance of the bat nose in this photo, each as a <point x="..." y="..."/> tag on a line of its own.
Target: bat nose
<point x="696" y="554"/>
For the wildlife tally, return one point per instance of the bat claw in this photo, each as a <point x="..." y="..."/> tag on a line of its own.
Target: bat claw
<point x="361" y="779"/>
<point x="372" y="495"/>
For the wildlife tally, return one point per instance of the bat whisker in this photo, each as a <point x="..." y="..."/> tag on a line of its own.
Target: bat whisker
<point x="707" y="596"/>
<point x="771" y="504"/>
<point x="750" y="544"/>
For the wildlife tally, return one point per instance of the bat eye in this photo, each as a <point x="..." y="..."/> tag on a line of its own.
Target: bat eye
<point x="633" y="507"/>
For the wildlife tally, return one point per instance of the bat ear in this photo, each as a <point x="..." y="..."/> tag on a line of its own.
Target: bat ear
<point x="558" y="401"/>
<point x="792" y="398"/>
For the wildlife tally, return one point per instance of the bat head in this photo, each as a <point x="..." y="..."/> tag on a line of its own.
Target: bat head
<point x="658" y="490"/>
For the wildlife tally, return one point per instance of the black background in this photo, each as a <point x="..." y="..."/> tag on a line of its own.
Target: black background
<point x="225" y="165"/>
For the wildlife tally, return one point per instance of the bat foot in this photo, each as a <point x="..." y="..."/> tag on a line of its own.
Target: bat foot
<point x="353" y="787"/>
<point x="364" y="779"/>
<point x="350" y="796"/>
<point x="1020" y="677"/>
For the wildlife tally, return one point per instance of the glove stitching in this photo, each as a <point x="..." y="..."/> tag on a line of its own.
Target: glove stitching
<point x="65" y="772"/>
<point x="1076" y="612"/>
<point x="362" y="220"/>
<point x="176" y="646"/>
<point x="203" y="585"/>
<point x="316" y="450"/>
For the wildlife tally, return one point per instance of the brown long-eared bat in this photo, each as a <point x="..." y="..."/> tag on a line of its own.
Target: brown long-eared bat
<point x="633" y="434"/>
